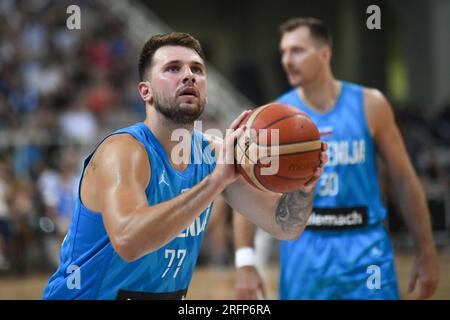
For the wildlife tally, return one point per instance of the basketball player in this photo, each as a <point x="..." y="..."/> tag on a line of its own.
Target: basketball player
<point x="345" y="252"/>
<point x="139" y="219"/>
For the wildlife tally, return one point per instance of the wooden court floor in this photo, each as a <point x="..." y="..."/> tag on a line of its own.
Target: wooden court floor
<point x="218" y="283"/>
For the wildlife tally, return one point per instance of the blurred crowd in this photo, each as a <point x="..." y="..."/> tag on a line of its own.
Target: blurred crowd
<point x="428" y="145"/>
<point x="60" y="91"/>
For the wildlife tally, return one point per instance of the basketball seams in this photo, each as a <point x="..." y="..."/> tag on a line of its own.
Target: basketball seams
<point x="292" y="148"/>
<point x="284" y="118"/>
<point x="255" y="179"/>
<point x="252" y="119"/>
<point x="292" y="179"/>
<point x="258" y="165"/>
<point x="290" y="144"/>
<point x="248" y="169"/>
<point x="290" y="154"/>
<point x="267" y="127"/>
<point x="239" y="146"/>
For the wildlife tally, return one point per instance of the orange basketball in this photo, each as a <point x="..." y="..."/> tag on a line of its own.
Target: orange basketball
<point x="278" y="166"/>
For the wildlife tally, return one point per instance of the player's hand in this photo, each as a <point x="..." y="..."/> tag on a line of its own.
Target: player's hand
<point x="311" y="184"/>
<point x="425" y="271"/>
<point x="225" y="170"/>
<point x="249" y="284"/>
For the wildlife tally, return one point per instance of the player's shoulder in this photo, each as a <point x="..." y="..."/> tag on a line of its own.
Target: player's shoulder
<point x="121" y="146"/>
<point x="373" y="97"/>
<point x="121" y="140"/>
<point x="377" y="108"/>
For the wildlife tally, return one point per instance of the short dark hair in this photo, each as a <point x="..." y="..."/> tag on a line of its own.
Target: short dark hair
<point x="317" y="28"/>
<point x="168" y="39"/>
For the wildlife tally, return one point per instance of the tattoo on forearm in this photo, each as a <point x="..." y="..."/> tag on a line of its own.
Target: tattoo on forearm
<point x="293" y="210"/>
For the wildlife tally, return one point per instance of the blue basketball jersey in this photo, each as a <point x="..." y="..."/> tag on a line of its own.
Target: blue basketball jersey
<point x="344" y="235"/>
<point x="350" y="178"/>
<point x="89" y="266"/>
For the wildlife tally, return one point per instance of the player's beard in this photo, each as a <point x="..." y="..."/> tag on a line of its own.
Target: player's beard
<point x="178" y="112"/>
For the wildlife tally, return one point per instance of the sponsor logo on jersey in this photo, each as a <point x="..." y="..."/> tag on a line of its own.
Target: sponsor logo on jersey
<point x="337" y="218"/>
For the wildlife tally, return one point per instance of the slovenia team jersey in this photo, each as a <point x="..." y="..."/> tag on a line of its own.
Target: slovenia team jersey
<point x="89" y="266"/>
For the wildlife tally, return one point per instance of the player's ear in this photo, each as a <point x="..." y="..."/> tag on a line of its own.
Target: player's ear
<point x="326" y="53"/>
<point x="145" y="90"/>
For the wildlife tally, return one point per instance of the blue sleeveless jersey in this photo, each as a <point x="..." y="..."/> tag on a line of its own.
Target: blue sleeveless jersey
<point x="89" y="266"/>
<point x="350" y="178"/>
<point x="344" y="237"/>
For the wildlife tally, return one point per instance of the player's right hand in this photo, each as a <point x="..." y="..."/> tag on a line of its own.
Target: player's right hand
<point x="225" y="170"/>
<point x="249" y="284"/>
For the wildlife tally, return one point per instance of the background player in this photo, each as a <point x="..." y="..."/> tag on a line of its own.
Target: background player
<point x="345" y="239"/>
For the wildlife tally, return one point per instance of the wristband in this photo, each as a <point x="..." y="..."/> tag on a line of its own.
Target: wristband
<point x="244" y="257"/>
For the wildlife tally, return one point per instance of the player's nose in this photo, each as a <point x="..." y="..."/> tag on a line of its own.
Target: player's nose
<point x="286" y="59"/>
<point x="188" y="76"/>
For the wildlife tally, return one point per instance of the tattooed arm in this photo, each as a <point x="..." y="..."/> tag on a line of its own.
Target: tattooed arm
<point x="284" y="216"/>
<point x="293" y="211"/>
<point x="290" y="214"/>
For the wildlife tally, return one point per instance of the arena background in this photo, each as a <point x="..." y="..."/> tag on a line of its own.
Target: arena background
<point x="62" y="90"/>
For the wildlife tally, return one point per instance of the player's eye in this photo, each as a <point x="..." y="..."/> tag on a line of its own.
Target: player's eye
<point x="197" y="70"/>
<point x="173" y="69"/>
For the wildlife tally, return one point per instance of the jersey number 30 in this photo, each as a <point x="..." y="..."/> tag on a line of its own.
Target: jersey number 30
<point x="328" y="184"/>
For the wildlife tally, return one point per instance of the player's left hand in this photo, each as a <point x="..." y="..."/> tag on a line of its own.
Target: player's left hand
<point x="425" y="272"/>
<point x="311" y="184"/>
<point x="249" y="284"/>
